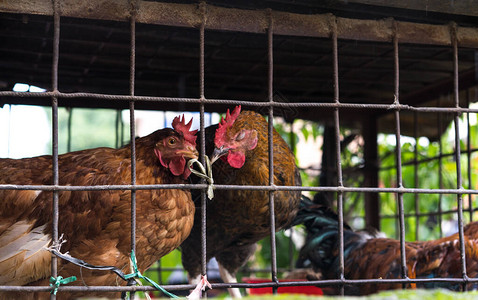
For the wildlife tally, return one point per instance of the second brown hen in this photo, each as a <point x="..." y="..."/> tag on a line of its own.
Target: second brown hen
<point x="237" y="219"/>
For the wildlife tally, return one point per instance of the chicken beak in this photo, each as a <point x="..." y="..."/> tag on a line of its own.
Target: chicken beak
<point x="189" y="152"/>
<point x="217" y="153"/>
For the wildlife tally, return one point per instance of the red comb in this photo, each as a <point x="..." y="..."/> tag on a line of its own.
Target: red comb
<point x="225" y="124"/>
<point x="181" y="126"/>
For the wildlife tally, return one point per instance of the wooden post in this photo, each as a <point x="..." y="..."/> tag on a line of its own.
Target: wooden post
<point x="372" y="205"/>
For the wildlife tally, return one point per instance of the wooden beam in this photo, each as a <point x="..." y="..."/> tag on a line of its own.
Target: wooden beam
<point x="252" y="21"/>
<point x="467" y="8"/>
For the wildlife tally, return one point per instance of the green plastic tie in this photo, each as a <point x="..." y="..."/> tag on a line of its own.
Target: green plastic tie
<point x="56" y="282"/>
<point x="137" y="274"/>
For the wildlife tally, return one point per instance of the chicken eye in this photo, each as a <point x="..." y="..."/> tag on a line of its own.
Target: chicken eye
<point x="241" y="136"/>
<point x="171" y="141"/>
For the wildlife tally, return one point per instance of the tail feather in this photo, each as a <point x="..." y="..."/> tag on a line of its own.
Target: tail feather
<point x="316" y="216"/>
<point x="23" y="258"/>
<point x="322" y="226"/>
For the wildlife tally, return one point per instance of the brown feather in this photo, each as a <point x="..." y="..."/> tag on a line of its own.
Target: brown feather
<point x="237" y="219"/>
<point x="95" y="224"/>
<point x="370" y="257"/>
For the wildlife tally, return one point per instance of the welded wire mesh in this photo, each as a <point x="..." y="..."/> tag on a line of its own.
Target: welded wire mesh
<point x="339" y="189"/>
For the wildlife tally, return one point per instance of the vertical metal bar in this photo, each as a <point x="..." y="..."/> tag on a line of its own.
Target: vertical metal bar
<point x="133" y="9"/>
<point x="201" y="50"/>
<point x="415" y="171"/>
<point x="54" y="108"/>
<point x="468" y="156"/>
<point x="399" y="155"/>
<point x="440" y="170"/>
<point x="340" y="206"/>
<point x="270" y="55"/>
<point x="459" y="182"/>
<point x="203" y="140"/>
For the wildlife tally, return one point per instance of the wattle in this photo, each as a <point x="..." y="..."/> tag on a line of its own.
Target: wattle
<point x="236" y="159"/>
<point x="186" y="173"/>
<point x="176" y="166"/>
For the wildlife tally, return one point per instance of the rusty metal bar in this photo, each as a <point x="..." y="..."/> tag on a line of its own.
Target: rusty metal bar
<point x="398" y="148"/>
<point x="54" y="108"/>
<point x="338" y="158"/>
<point x="319" y="283"/>
<point x="133" y="8"/>
<point x="388" y="107"/>
<point x="253" y="21"/>
<point x="459" y="181"/>
<point x="203" y="142"/>
<point x="343" y="189"/>
<point x="270" y="136"/>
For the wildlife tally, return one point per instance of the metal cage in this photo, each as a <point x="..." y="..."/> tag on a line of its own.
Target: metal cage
<point x="277" y="28"/>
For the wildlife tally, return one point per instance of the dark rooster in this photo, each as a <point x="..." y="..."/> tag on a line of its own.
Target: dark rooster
<point x="237" y="219"/>
<point x="369" y="257"/>
<point x="95" y="224"/>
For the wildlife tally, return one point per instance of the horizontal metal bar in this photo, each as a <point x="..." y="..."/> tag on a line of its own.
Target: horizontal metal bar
<point x="252" y="21"/>
<point x="93" y="288"/>
<point x="237" y="187"/>
<point x="332" y="105"/>
<point x="101" y="187"/>
<point x="327" y="282"/>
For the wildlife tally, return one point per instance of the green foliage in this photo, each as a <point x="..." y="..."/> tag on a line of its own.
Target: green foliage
<point x="263" y="255"/>
<point x="432" y="173"/>
<point x="169" y="261"/>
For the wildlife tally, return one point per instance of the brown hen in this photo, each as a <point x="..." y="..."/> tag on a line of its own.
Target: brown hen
<point x="369" y="257"/>
<point x="237" y="219"/>
<point x="95" y="224"/>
